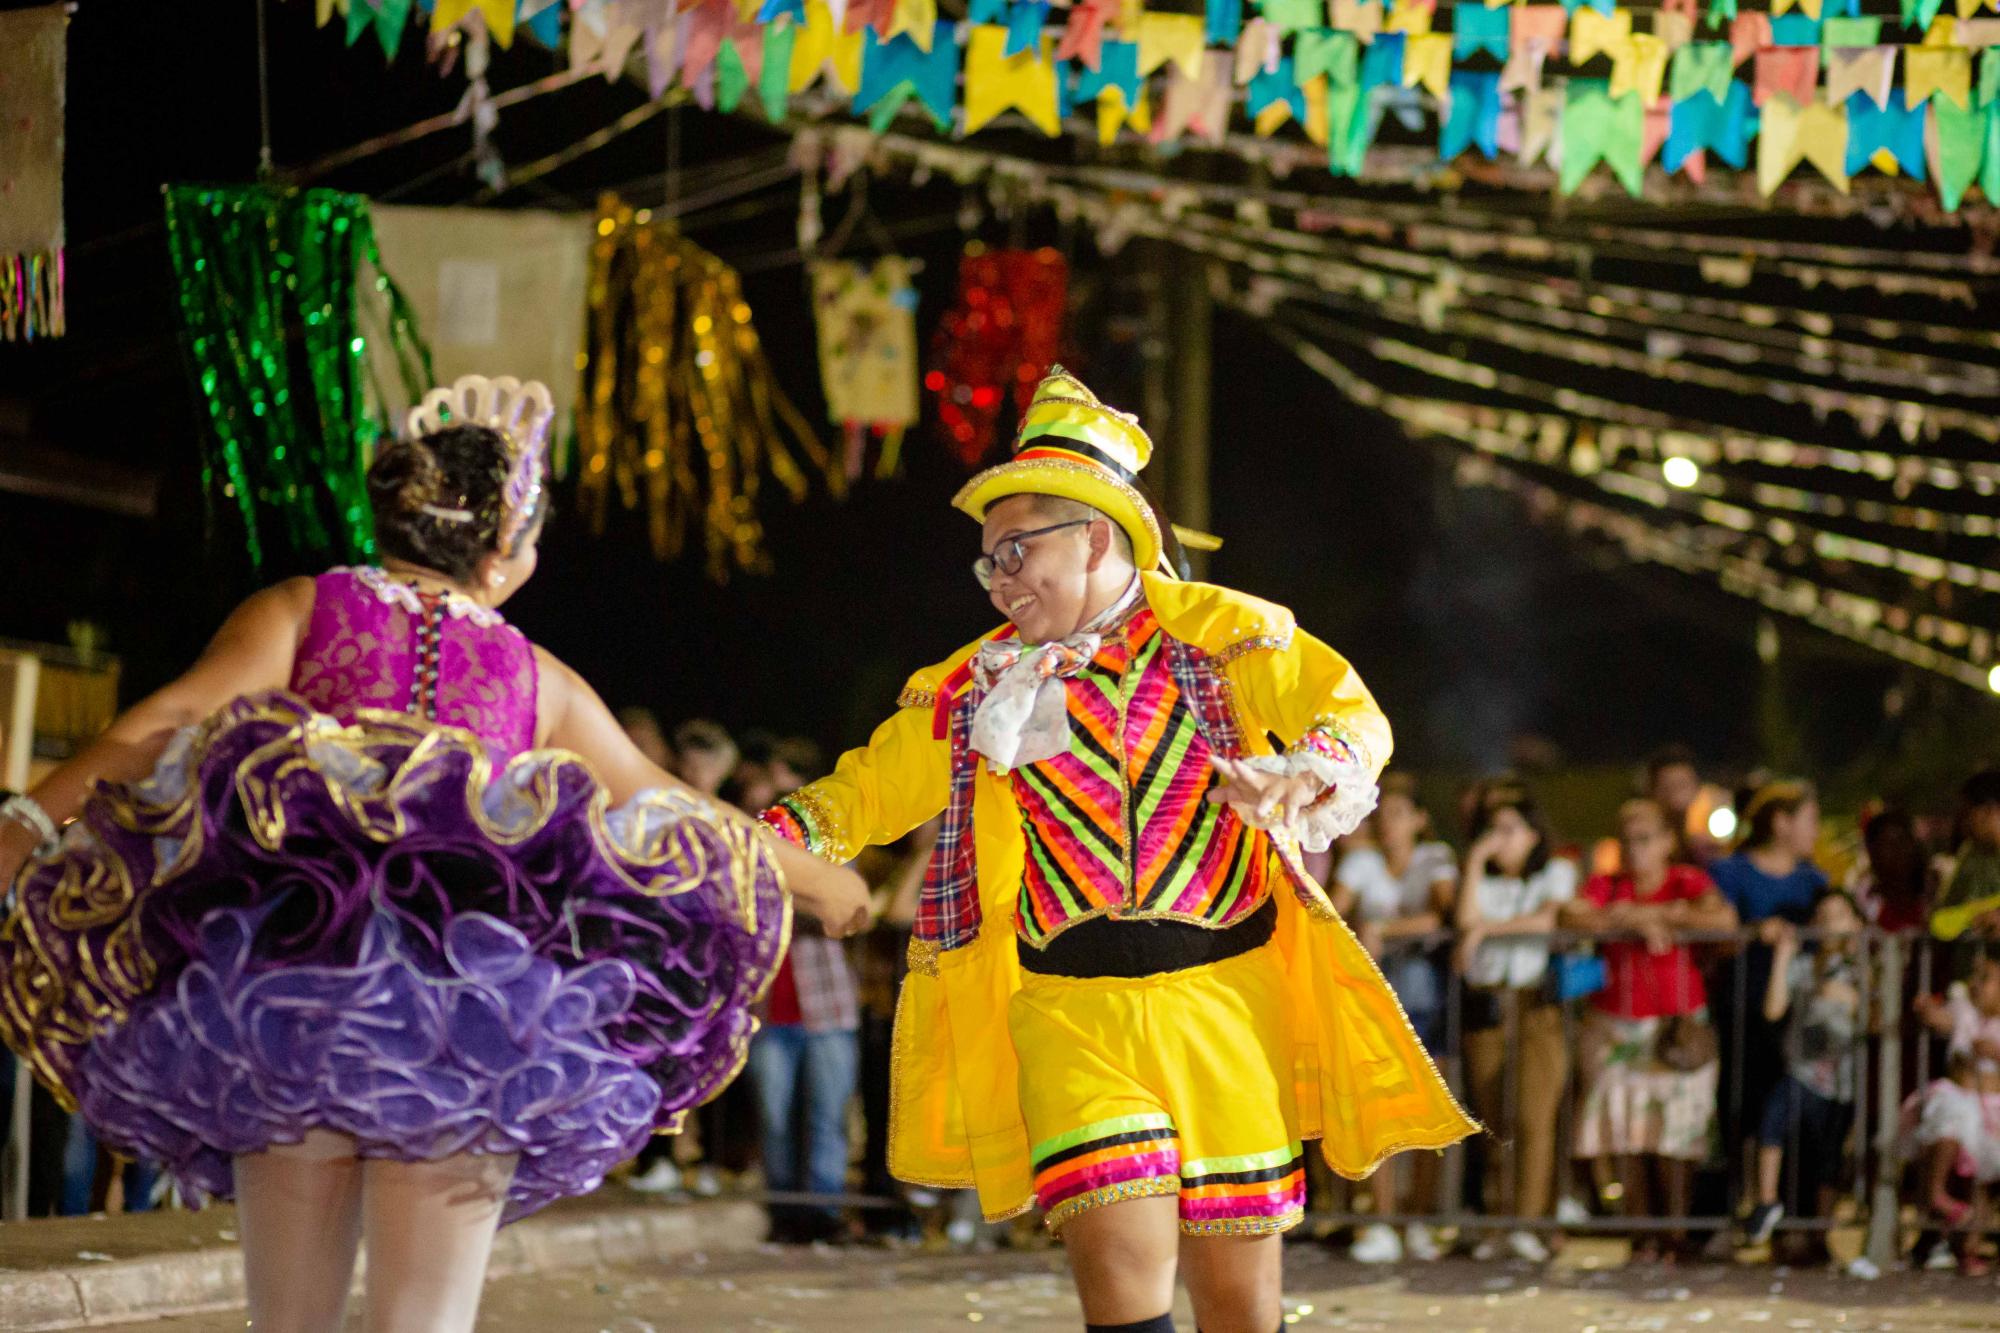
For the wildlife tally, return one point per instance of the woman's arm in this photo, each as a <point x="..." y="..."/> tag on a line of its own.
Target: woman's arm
<point x="577" y="720"/>
<point x="252" y="651"/>
<point x="1778" y="987"/>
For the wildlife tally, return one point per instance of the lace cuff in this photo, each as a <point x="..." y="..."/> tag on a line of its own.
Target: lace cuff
<point x="1347" y="791"/>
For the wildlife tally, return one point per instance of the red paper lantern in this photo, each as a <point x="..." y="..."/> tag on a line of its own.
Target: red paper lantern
<point x="997" y="340"/>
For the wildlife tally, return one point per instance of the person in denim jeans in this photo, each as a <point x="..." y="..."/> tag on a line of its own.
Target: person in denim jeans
<point x="811" y="1036"/>
<point x="807" y="1053"/>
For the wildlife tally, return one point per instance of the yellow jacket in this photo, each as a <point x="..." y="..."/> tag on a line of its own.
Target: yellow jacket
<point x="1366" y="1087"/>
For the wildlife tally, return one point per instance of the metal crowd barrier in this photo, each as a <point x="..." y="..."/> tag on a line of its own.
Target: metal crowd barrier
<point x="1881" y="1049"/>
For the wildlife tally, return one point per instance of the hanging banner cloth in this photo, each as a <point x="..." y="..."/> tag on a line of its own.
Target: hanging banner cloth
<point x="496" y="292"/>
<point x="31" y="172"/>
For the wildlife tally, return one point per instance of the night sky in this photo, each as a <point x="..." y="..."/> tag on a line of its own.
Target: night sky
<point x="1473" y="626"/>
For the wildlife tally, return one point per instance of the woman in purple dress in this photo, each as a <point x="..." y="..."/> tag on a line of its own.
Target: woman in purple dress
<point x="375" y="920"/>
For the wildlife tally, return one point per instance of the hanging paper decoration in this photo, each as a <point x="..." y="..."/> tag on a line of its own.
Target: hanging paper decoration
<point x="866" y="315"/>
<point x="31" y="172"/>
<point x="679" y="412"/>
<point x="1205" y="74"/>
<point x="268" y="282"/>
<point x="998" y="339"/>
<point x="492" y="289"/>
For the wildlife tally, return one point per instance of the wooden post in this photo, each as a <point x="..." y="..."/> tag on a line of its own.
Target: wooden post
<point x="20" y="673"/>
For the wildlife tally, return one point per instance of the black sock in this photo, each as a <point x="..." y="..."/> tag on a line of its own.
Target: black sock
<point x="1157" y="1324"/>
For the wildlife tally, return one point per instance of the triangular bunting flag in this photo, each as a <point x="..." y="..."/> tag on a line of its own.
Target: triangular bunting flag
<point x="1791" y="71"/>
<point x="1946" y="72"/>
<point x="1891" y="137"/>
<point x="1790" y="134"/>
<point x="1592" y="33"/>
<point x="899" y="69"/>
<point x="1597" y="127"/>
<point x="997" y="82"/>
<point x="1474" y="117"/>
<point x="1867" y="70"/>
<point x="1476" y="28"/>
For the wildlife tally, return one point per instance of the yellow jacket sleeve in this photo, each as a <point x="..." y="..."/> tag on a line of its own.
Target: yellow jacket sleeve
<point x="1305" y="686"/>
<point x="878" y="792"/>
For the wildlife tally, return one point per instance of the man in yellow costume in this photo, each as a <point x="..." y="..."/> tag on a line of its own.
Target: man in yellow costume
<point x="1128" y="1002"/>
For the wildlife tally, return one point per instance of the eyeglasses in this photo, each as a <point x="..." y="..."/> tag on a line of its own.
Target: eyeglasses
<point x="1008" y="555"/>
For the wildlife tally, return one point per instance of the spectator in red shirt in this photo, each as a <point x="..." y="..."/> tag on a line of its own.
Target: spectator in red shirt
<point x="1648" y="1053"/>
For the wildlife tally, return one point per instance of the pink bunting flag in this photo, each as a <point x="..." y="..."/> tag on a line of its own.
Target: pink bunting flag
<point x="1790" y="70"/>
<point x="1749" y="34"/>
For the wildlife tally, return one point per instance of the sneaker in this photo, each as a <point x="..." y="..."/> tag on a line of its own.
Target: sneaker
<point x="1763" y="1221"/>
<point x="1527" y="1245"/>
<point x="961" y="1232"/>
<point x="1941" y="1259"/>
<point x="1571" y="1212"/>
<point x="1420" y="1244"/>
<point x="1485" y="1250"/>
<point x="1378" y="1244"/>
<point x="662" y="1177"/>
<point x="705" y="1182"/>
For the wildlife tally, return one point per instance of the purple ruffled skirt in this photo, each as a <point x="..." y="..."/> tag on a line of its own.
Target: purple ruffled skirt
<point x="297" y="923"/>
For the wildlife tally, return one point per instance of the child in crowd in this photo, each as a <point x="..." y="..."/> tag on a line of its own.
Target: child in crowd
<point x="1954" y="1124"/>
<point x="1817" y="996"/>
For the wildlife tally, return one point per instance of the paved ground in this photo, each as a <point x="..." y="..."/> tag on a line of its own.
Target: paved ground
<point x="872" y="1291"/>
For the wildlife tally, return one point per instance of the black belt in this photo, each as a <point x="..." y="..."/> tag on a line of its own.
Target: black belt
<point x="1108" y="947"/>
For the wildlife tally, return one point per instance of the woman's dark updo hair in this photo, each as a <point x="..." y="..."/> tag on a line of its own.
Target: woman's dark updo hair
<point x="457" y="468"/>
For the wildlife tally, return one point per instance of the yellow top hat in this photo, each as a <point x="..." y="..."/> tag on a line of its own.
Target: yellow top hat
<point x="1073" y="446"/>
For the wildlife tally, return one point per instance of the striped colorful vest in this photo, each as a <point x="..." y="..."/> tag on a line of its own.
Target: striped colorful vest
<point x="1120" y="825"/>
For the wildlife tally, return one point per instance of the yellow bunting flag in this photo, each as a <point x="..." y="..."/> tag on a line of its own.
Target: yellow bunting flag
<point x="1811" y="7"/>
<point x="917" y="18"/>
<point x="821" y="47"/>
<point x="997" y="82"/>
<point x="323" y="10"/>
<point x="499" y="16"/>
<point x="1316" y="110"/>
<point x="1674" y="28"/>
<point x="1639" y="66"/>
<point x="1113" y="115"/>
<point x="1592" y="32"/>
<point x="1176" y="37"/>
<point x="1363" y="18"/>
<point x="1945" y="71"/>
<point x="1790" y="134"/>
<point x="1411" y="16"/>
<point x="1427" y="62"/>
<point x="1942" y="32"/>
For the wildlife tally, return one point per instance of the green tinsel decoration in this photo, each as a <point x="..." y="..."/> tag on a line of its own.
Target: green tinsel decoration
<point x="268" y="282"/>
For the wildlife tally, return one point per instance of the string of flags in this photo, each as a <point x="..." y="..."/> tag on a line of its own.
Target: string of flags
<point x="1577" y="85"/>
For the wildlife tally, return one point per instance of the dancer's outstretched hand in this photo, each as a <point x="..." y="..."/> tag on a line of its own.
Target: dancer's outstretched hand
<point x="839" y="898"/>
<point x="1262" y="799"/>
<point x="834" y="894"/>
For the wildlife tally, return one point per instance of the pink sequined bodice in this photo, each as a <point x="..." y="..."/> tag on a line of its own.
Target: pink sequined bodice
<point x="374" y="643"/>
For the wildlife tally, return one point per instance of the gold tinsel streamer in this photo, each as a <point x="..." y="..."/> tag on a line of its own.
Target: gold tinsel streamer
<point x="679" y="412"/>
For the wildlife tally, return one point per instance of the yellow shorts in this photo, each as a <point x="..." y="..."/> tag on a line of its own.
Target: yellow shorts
<point x="1174" y="1084"/>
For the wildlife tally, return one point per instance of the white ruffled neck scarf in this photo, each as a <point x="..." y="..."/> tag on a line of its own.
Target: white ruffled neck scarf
<point x="1023" y="717"/>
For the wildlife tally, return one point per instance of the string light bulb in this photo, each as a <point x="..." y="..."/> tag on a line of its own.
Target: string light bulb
<point x="1681" y="471"/>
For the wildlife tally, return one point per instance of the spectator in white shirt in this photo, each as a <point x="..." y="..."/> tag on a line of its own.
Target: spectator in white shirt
<point x="1395" y="893"/>
<point x="1508" y="896"/>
